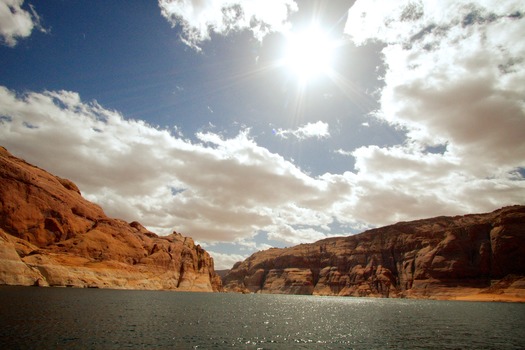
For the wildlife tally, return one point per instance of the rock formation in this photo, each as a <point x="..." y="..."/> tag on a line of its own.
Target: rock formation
<point x="476" y="257"/>
<point x="51" y="236"/>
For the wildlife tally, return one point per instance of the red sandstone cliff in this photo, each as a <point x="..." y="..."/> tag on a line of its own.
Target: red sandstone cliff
<point x="477" y="257"/>
<point x="50" y="235"/>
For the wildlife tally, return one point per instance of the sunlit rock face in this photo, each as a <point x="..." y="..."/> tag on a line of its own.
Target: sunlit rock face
<point x="472" y="256"/>
<point x="51" y="236"/>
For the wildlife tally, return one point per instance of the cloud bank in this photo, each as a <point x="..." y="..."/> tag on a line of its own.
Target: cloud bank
<point x="200" y="18"/>
<point x="15" y="22"/>
<point x="220" y="189"/>
<point x="229" y="190"/>
<point x="213" y="188"/>
<point x="455" y="81"/>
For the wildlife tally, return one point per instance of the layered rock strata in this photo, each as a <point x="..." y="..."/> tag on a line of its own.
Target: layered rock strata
<point x="51" y="236"/>
<point x="477" y="257"/>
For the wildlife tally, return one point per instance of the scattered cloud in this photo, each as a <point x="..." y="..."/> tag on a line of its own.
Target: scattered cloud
<point x="455" y="80"/>
<point x="199" y="18"/>
<point x="296" y="235"/>
<point x="311" y="130"/>
<point x="213" y="189"/>
<point x="17" y="23"/>
<point x="224" y="261"/>
<point x="219" y="189"/>
<point x="343" y="152"/>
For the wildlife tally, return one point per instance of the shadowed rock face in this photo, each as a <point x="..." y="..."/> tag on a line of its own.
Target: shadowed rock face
<point x="443" y="257"/>
<point x="51" y="235"/>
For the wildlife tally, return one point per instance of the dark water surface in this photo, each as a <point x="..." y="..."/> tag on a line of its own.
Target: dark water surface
<point x="66" y="318"/>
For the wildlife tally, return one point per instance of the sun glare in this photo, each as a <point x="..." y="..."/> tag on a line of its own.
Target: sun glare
<point x="309" y="53"/>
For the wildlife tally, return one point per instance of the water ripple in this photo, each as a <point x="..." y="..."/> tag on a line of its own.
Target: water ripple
<point x="48" y="318"/>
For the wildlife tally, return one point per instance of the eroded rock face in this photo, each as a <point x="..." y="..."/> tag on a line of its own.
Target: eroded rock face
<point x="443" y="257"/>
<point x="51" y="235"/>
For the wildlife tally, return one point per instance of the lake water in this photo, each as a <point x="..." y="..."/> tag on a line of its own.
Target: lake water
<point x="66" y="318"/>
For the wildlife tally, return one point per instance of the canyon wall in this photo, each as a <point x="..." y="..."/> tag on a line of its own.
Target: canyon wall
<point x="51" y="236"/>
<point x="477" y="257"/>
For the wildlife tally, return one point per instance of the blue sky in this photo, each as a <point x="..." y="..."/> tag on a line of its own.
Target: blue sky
<point x="228" y="121"/>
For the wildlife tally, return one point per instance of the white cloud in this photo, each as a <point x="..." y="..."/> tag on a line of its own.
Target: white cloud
<point x="294" y="236"/>
<point x="228" y="190"/>
<point x="15" y="22"/>
<point x="216" y="190"/>
<point x="343" y="152"/>
<point x="200" y="18"/>
<point x="318" y="130"/>
<point x="224" y="261"/>
<point x="455" y="78"/>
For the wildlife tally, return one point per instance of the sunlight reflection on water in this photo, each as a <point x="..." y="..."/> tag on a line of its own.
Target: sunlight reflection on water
<point x="110" y="319"/>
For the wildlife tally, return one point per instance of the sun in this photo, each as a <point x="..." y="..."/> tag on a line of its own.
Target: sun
<point x="309" y="53"/>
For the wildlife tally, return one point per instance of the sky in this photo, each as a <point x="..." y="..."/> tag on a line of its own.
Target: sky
<point x="249" y="124"/>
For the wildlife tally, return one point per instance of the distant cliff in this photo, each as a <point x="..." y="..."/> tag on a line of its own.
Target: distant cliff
<point x="477" y="257"/>
<point x="51" y="236"/>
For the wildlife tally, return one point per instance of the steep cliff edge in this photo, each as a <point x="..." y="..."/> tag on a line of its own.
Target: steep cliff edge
<point x="475" y="257"/>
<point x="51" y="236"/>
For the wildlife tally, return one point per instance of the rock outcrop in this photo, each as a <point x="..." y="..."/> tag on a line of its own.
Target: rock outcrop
<point x="51" y="236"/>
<point x="476" y="257"/>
